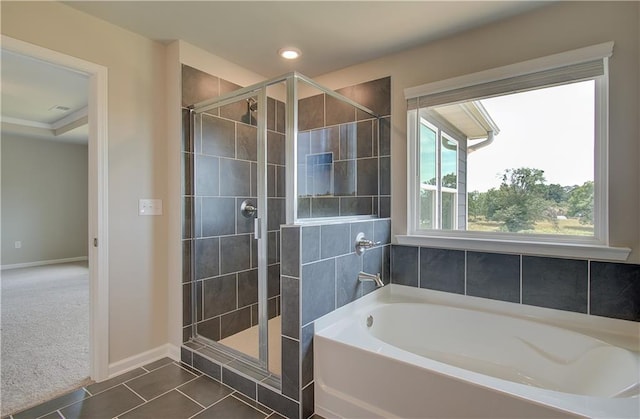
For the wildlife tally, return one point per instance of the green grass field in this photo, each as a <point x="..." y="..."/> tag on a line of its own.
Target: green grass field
<point x="566" y="227"/>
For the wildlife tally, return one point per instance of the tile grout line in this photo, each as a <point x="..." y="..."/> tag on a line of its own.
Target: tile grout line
<point x="193" y="400"/>
<point x="253" y="407"/>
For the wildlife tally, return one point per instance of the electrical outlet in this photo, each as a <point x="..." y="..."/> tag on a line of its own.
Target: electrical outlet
<point x="18" y="244"/>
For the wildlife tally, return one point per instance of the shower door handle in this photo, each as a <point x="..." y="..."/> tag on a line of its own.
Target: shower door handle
<point x="257" y="224"/>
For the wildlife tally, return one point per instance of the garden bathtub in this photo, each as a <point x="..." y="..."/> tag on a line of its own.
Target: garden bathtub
<point x="414" y="353"/>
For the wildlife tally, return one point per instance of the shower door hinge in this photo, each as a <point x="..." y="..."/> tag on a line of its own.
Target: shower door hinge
<point x="95" y="242"/>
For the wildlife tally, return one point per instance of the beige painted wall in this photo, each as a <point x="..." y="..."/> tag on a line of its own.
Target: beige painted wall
<point x="137" y="160"/>
<point x="178" y="53"/>
<point x="44" y="200"/>
<point x="548" y="30"/>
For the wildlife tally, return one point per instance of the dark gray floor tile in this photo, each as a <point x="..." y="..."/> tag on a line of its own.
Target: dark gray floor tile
<point x="104" y="385"/>
<point x="53" y="415"/>
<point x="107" y="404"/>
<point x="275" y="415"/>
<point x="159" y="381"/>
<point x="157" y="364"/>
<point x="253" y="403"/>
<point x="205" y="391"/>
<point x="172" y="405"/>
<point x="52" y="405"/>
<point x="230" y="407"/>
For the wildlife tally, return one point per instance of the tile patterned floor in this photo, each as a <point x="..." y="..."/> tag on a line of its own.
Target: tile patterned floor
<point x="161" y="389"/>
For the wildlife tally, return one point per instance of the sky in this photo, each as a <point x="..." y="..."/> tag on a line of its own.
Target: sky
<point x="550" y="129"/>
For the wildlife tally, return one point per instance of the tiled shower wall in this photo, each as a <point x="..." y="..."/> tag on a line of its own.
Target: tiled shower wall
<point x="220" y="169"/>
<point x="320" y="274"/>
<point x="578" y="285"/>
<point x="293" y="395"/>
<point x="361" y="163"/>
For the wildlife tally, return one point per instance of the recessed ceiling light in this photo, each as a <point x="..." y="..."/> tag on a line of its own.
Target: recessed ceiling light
<point x="289" y="53"/>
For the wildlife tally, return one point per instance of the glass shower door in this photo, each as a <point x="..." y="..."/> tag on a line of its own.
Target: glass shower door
<point x="237" y="216"/>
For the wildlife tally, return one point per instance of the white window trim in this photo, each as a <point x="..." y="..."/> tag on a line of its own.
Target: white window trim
<point x="596" y="247"/>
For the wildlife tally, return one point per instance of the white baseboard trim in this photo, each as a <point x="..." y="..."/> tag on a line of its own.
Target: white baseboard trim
<point x="139" y="360"/>
<point x="42" y="263"/>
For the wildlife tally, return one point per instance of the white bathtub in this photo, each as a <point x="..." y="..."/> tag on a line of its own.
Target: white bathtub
<point x="433" y="354"/>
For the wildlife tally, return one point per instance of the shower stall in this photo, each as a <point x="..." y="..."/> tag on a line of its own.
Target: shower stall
<point x="284" y="151"/>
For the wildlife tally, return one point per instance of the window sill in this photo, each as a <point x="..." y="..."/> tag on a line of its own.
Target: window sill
<point x="578" y="251"/>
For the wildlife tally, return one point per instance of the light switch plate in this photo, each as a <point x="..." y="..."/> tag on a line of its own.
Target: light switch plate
<point x="150" y="207"/>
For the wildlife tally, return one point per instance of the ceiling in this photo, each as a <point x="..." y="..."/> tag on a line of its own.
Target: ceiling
<point x="331" y="34"/>
<point x="43" y="100"/>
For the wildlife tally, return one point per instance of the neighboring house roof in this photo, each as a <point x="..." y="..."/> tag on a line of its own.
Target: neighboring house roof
<point x="470" y="118"/>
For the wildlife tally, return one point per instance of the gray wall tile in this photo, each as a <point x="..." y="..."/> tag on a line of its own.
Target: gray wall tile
<point x="197" y="86"/>
<point x="247" y="142"/>
<point x="385" y="176"/>
<point x="493" y="275"/>
<point x="235" y="322"/>
<point x="615" y="290"/>
<point x="218" y="216"/>
<point x="235" y="253"/>
<point x="291" y="251"/>
<point x="442" y="269"/>
<point x="347" y="284"/>
<point x="555" y="283"/>
<point x="275" y="148"/>
<point x="311" y="113"/>
<point x="207" y="259"/>
<point x="291" y="368"/>
<point x="218" y="137"/>
<point x="306" y="351"/>
<point x="290" y="307"/>
<point x="210" y="329"/>
<point x="344" y="178"/>
<point x="278" y="402"/>
<point x="348" y="142"/>
<point x="318" y="289"/>
<point x="375" y="95"/>
<point x="404" y="265"/>
<point x="220" y="295"/>
<point x="240" y="383"/>
<point x="247" y="288"/>
<point x="385" y="136"/>
<point x="207" y="175"/>
<point x="310" y="243"/>
<point x="325" y="140"/>
<point x="206" y="366"/>
<point x="334" y="240"/>
<point x="364" y="134"/>
<point x="276" y="213"/>
<point x="356" y="205"/>
<point x="367" y="180"/>
<point x="325" y="207"/>
<point x="338" y="112"/>
<point x="237" y="177"/>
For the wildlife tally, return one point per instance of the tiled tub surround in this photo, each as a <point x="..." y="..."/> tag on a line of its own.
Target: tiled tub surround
<point x="220" y="171"/>
<point x="319" y="274"/>
<point x="583" y="286"/>
<point x="344" y="154"/>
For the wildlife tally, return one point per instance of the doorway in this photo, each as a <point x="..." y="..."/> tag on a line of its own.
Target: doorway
<point x="93" y="116"/>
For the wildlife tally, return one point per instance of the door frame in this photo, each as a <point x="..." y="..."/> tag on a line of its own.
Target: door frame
<point x="97" y="196"/>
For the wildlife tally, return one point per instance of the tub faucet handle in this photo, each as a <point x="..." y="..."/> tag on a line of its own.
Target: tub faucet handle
<point x="363" y="244"/>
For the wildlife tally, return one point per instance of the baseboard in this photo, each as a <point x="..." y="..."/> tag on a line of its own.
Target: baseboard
<point x="42" y="263"/>
<point x="136" y="361"/>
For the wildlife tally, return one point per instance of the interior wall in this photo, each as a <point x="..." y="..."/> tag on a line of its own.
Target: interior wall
<point x="136" y="155"/>
<point x="44" y="200"/>
<point x="539" y="33"/>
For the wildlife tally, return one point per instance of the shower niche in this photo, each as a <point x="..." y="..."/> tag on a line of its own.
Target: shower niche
<point x="284" y="151"/>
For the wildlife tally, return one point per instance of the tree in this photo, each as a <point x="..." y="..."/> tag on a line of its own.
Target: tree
<point x="520" y="200"/>
<point x="581" y="203"/>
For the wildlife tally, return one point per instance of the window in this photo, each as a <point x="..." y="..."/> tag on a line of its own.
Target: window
<point x="438" y="178"/>
<point x="517" y="153"/>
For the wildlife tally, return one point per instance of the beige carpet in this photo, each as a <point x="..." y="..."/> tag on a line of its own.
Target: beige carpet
<point x="44" y="333"/>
